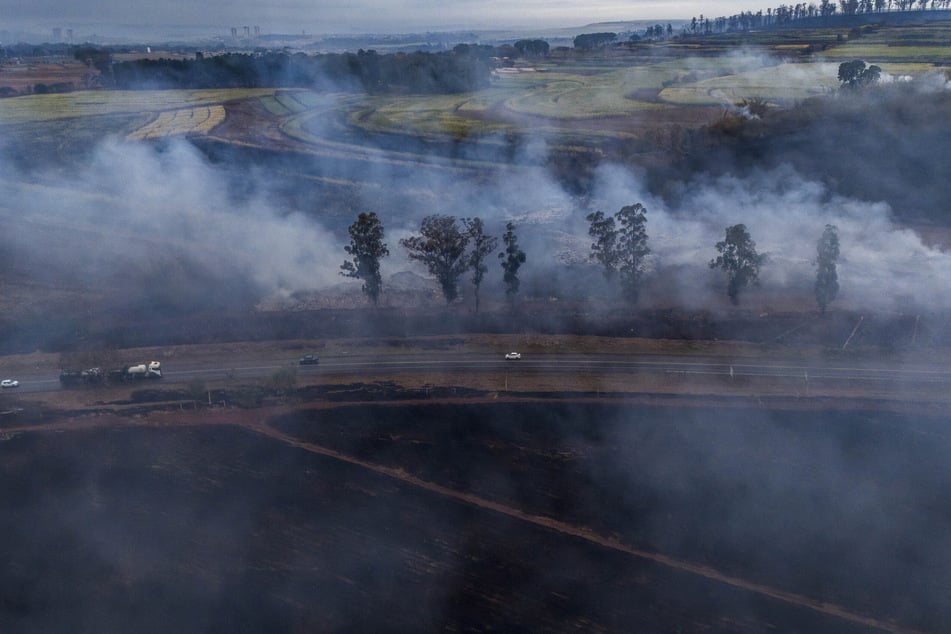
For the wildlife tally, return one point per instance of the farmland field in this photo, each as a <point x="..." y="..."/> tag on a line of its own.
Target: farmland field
<point x="928" y="44"/>
<point x="618" y="95"/>
<point x="37" y="108"/>
<point x="199" y="120"/>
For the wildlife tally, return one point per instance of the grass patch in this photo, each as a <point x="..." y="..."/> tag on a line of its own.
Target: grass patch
<point x="785" y="83"/>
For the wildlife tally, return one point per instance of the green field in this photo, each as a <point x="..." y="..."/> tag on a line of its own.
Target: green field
<point x="927" y="44"/>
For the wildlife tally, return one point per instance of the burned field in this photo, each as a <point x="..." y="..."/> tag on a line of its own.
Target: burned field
<point x="520" y="516"/>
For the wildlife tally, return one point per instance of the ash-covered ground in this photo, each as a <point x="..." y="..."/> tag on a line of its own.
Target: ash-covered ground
<point x="481" y="517"/>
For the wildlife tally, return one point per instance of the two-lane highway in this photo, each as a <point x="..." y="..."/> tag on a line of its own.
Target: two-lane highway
<point x="867" y="373"/>
<point x="551" y="364"/>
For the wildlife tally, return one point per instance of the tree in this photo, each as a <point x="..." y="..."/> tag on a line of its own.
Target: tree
<point x="441" y="246"/>
<point x="366" y="248"/>
<point x="827" y="278"/>
<point x="854" y="74"/>
<point x="738" y="257"/>
<point x="482" y="246"/>
<point x="604" y="247"/>
<point x="532" y="48"/>
<point x="589" y="41"/>
<point x="512" y="260"/>
<point x="632" y="248"/>
<point x="620" y="246"/>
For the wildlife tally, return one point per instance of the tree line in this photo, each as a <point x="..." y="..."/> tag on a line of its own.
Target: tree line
<point x="445" y="72"/>
<point x="786" y="14"/>
<point x="449" y="248"/>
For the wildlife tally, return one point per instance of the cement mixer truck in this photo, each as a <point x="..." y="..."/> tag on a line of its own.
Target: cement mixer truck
<point x="150" y="370"/>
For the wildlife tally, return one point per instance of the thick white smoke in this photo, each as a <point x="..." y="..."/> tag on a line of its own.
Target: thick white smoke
<point x="882" y="265"/>
<point x="134" y="203"/>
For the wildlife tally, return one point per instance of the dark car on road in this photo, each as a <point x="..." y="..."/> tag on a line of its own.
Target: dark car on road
<point x="309" y="359"/>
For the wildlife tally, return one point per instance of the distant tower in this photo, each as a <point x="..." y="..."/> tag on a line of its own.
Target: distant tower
<point x="57" y="34"/>
<point x="234" y="33"/>
<point x="247" y="32"/>
<point x="69" y="35"/>
<point x="257" y="32"/>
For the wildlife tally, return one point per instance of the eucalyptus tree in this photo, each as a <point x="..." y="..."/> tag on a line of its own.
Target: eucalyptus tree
<point x="512" y="260"/>
<point x="632" y="249"/>
<point x="739" y="258"/>
<point x="441" y="247"/>
<point x="620" y="246"/>
<point x="827" y="276"/>
<point x="482" y="246"/>
<point x="366" y="249"/>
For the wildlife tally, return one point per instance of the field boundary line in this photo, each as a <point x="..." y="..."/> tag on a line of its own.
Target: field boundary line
<point x="707" y="572"/>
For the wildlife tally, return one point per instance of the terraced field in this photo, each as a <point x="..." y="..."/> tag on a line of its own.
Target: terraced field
<point x="925" y="44"/>
<point x="198" y="120"/>
<point x="568" y="100"/>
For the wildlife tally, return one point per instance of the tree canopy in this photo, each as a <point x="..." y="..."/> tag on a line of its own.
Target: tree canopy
<point x="482" y="246"/>
<point x="604" y="247"/>
<point x="441" y="246"/>
<point x="738" y="257"/>
<point x="448" y="72"/>
<point x="532" y="48"/>
<point x="620" y="246"/>
<point x="512" y="260"/>
<point x="588" y="41"/>
<point x="366" y="248"/>
<point x="855" y="74"/>
<point x="632" y="248"/>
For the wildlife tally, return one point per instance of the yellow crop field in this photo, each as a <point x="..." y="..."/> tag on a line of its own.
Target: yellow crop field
<point x="34" y="108"/>
<point x="183" y="121"/>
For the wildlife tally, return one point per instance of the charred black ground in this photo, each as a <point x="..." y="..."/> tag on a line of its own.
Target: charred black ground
<point x="218" y="529"/>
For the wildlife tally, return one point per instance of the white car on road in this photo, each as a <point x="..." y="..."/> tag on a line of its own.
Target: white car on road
<point x="9" y="383"/>
<point x="513" y="355"/>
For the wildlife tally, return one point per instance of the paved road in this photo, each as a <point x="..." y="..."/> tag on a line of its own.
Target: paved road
<point x="541" y="364"/>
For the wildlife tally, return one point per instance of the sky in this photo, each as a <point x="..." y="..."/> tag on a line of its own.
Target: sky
<point x="342" y="16"/>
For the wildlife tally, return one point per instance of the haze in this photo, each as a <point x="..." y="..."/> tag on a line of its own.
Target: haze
<point x="294" y="16"/>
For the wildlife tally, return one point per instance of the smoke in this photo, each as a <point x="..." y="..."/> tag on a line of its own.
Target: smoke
<point x="152" y="223"/>
<point x="138" y="213"/>
<point x="882" y="266"/>
<point x="137" y="206"/>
